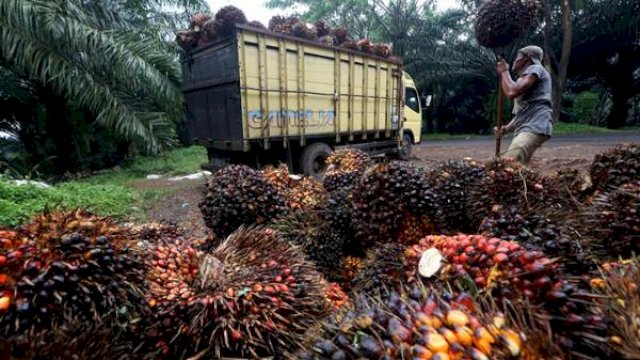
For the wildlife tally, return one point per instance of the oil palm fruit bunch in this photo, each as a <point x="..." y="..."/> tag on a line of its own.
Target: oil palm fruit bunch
<point x="258" y="294"/>
<point x="364" y="45"/>
<point x="76" y="276"/>
<point x="227" y="18"/>
<point x="512" y="274"/>
<point x="499" y="22"/>
<point x="341" y="34"/>
<point x="278" y="176"/>
<point x="615" y="167"/>
<point x="336" y="296"/>
<point x="187" y="40"/>
<point x="535" y="231"/>
<point x="349" y="269"/>
<point x="415" y="324"/>
<point x="209" y="31"/>
<point x="344" y="167"/>
<point x="328" y="40"/>
<point x="306" y="193"/>
<point x="619" y="286"/>
<point x="384" y="195"/>
<point x="238" y="195"/>
<point x="315" y="236"/>
<point x="506" y="182"/>
<point x="571" y="183"/>
<point x="382" y="270"/>
<point x="614" y="222"/>
<point x="81" y="341"/>
<point x="349" y="44"/>
<point x="382" y="50"/>
<point x="453" y="181"/>
<point x="301" y="30"/>
<point x="198" y="21"/>
<point x="322" y="28"/>
<point x="275" y="21"/>
<point x="257" y="24"/>
<point x="337" y="210"/>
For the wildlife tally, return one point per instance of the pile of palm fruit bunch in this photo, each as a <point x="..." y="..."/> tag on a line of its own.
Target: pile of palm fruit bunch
<point x="416" y="323"/>
<point x="252" y="296"/>
<point x="237" y="195"/>
<point x="344" y="167"/>
<point x="205" y="28"/>
<point x="62" y="271"/>
<point x="300" y="192"/>
<point x="499" y="22"/>
<point x="388" y="196"/>
<point x="615" y="167"/>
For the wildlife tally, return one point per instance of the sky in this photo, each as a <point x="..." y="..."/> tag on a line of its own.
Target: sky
<point x="255" y="9"/>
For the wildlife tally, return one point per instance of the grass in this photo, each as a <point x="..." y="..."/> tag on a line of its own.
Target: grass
<point x="109" y="193"/>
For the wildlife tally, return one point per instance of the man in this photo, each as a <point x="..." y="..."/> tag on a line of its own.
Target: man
<point x="532" y="91"/>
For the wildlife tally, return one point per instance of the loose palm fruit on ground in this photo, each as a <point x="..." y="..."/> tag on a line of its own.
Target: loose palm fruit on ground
<point x="499" y="22"/>
<point x="238" y="195"/>
<point x="414" y="324"/>
<point x="615" y="167"/>
<point x="452" y="181"/>
<point x="384" y="195"/>
<point x="344" y="167"/>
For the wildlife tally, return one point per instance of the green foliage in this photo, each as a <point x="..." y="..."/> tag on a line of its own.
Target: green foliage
<point x="572" y="128"/>
<point x="584" y="107"/>
<point x="18" y="203"/>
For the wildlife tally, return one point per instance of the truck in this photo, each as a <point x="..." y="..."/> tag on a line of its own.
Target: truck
<point x="260" y="97"/>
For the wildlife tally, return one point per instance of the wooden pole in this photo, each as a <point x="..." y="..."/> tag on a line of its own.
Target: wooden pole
<point x="498" y="117"/>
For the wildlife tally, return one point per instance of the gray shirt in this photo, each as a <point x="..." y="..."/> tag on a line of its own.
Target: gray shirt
<point x="534" y="115"/>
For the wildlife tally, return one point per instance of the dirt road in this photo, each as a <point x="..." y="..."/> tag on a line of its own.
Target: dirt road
<point x="567" y="150"/>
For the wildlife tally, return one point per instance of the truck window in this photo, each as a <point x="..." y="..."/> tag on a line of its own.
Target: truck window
<point x="411" y="96"/>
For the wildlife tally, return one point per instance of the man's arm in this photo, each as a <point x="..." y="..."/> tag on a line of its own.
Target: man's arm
<point x="511" y="88"/>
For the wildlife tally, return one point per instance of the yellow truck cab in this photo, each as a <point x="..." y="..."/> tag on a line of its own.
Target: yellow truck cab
<point x="412" y="122"/>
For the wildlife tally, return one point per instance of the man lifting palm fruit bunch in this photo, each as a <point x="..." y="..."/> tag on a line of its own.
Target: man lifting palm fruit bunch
<point x="532" y="94"/>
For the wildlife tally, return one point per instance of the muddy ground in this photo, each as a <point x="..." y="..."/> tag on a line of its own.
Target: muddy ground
<point x="179" y="205"/>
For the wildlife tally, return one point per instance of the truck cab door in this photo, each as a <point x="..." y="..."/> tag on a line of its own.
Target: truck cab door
<point x="413" y="114"/>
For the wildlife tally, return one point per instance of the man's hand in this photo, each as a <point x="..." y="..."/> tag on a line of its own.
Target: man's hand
<point x="500" y="131"/>
<point x="502" y="66"/>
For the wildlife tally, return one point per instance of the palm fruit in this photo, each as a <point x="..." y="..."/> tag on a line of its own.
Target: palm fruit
<point x="187" y="40"/>
<point x="415" y="324"/>
<point x="382" y="270"/>
<point x="613" y="222"/>
<point x="538" y="232"/>
<point x="349" y="44"/>
<point x="322" y="28"/>
<point x="278" y="176"/>
<point x="500" y="22"/>
<point x="276" y="21"/>
<point x="319" y="241"/>
<point x="260" y="295"/>
<point x="227" y="18"/>
<point x="81" y="341"/>
<point x="384" y="196"/>
<point x="336" y="296"/>
<point x="382" y="50"/>
<point x="238" y="195"/>
<point x="306" y="193"/>
<point x="619" y="287"/>
<point x="341" y="34"/>
<point x="615" y="167"/>
<point x="198" y="21"/>
<point x="364" y="45"/>
<point x="506" y="182"/>
<point x="452" y="181"/>
<point x="512" y="274"/>
<point x="301" y="30"/>
<point x="57" y="271"/>
<point x="257" y="24"/>
<point x="209" y="30"/>
<point x="571" y="183"/>
<point x="349" y="269"/>
<point x="328" y="40"/>
<point x="344" y="167"/>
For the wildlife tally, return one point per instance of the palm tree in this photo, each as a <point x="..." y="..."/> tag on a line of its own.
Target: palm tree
<point x="88" y="53"/>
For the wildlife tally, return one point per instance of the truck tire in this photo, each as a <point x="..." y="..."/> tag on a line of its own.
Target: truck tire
<point x="314" y="156"/>
<point x="407" y="146"/>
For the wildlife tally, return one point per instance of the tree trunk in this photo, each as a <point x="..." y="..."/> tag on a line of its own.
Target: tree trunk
<point x="620" y="110"/>
<point x="567" y="39"/>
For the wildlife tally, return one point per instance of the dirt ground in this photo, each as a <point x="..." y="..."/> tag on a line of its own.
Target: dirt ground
<point x="180" y="205"/>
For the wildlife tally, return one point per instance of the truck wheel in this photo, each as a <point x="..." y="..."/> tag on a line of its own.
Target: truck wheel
<point x="313" y="159"/>
<point x="407" y="146"/>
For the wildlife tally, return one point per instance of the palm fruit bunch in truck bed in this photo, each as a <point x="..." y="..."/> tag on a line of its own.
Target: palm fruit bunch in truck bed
<point x="252" y="296"/>
<point x="615" y="167"/>
<point x="238" y="194"/>
<point x="499" y="22"/>
<point x="387" y="194"/>
<point x="511" y="273"/>
<point x="65" y="269"/>
<point x="416" y="324"/>
<point x="453" y="181"/>
<point x="344" y="167"/>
